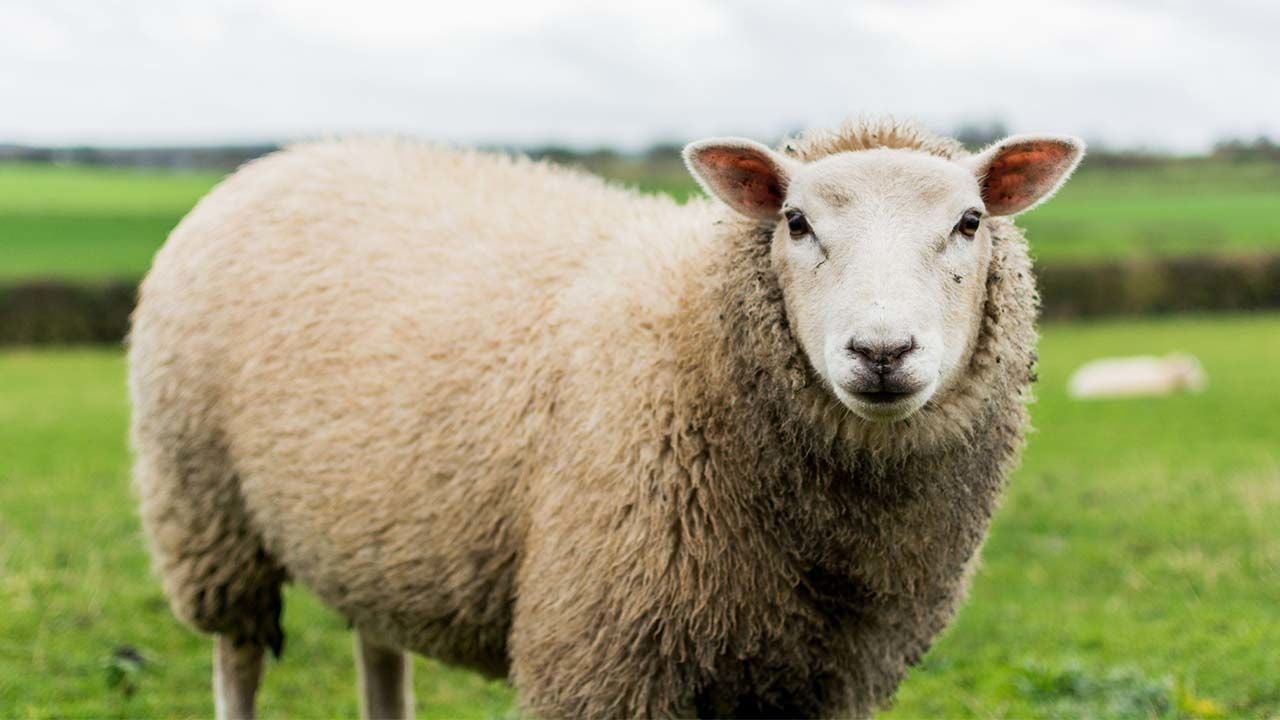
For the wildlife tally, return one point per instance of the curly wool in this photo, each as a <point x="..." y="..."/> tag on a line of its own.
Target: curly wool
<point x="508" y="416"/>
<point x="869" y="133"/>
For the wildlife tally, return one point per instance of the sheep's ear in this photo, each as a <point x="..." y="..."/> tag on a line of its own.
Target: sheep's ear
<point x="1022" y="171"/>
<point x="746" y="175"/>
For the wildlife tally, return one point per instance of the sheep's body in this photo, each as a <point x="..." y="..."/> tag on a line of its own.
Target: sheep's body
<point x="1137" y="376"/>
<point x="510" y="417"/>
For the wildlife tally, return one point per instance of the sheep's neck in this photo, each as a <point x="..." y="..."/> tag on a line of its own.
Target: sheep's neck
<point x="847" y="520"/>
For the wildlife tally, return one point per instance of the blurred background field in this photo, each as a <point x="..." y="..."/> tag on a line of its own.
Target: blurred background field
<point x="89" y="222"/>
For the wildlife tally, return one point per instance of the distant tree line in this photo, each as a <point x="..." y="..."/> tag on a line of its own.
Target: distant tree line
<point x="213" y="157"/>
<point x="227" y="157"/>
<point x="1260" y="148"/>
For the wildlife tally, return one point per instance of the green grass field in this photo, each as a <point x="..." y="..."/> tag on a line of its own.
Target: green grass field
<point x="88" y="222"/>
<point x="96" y="223"/>
<point x="1133" y="571"/>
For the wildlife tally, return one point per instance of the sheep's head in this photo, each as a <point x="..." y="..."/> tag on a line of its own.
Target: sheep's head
<point x="883" y="254"/>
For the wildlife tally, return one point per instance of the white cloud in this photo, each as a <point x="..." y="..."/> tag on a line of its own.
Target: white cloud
<point x="1175" y="75"/>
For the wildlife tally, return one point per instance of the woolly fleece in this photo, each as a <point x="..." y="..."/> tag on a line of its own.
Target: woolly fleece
<point x="512" y="417"/>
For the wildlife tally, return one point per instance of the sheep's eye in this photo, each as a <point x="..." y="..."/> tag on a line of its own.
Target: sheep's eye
<point x="796" y="223"/>
<point x="969" y="221"/>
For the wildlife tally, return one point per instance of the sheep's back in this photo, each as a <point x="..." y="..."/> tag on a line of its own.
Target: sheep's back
<point x="371" y="327"/>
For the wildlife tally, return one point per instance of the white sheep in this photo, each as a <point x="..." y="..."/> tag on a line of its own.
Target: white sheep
<point x="1135" y="376"/>
<point x="643" y="459"/>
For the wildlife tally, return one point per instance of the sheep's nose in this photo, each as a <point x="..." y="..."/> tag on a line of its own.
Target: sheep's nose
<point x="881" y="356"/>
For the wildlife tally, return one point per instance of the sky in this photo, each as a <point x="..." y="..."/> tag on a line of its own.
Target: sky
<point x="1172" y="76"/>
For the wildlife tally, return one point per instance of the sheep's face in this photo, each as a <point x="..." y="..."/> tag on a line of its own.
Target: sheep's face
<point x="883" y="254"/>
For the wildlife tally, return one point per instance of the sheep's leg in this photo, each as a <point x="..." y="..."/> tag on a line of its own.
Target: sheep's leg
<point x="386" y="681"/>
<point x="237" y="669"/>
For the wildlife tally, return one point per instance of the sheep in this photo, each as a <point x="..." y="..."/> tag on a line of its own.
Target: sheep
<point x="1135" y="376"/>
<point x="733" y="457"/>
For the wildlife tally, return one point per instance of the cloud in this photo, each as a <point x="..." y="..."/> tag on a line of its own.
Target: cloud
<point x="1170" y="75"/>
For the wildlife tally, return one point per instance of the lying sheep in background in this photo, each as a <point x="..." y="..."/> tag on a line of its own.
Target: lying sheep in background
<point x="1135" y="376"/>
<point x="643" y="459"/>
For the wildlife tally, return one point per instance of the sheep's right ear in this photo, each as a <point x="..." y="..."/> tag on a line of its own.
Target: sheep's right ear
<point x="747" y="176"/>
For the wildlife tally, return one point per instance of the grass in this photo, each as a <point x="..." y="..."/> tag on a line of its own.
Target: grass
<point x="1132" y="571"/>
<point x="93" y="223"/>
<point x="1179" y="207"/>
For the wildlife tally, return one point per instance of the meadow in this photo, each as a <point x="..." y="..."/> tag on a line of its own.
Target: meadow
<point x="95" y="223"/>
<point x="92" y="223"/>
<point x="1132" y="571"/>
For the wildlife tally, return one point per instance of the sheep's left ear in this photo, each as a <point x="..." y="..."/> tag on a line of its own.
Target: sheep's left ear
<point x="746" y="175"/>
<point x="1022" y="171"/>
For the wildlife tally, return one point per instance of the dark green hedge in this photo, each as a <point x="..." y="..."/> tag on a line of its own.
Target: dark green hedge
<point x="60" y="312"/>
<point x="1218" y="283"/>
<point x="67" y="312"/>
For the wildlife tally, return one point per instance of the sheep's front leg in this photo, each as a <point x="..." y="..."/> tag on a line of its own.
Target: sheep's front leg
<point x="237" y="669"/>
<point x="386" y="681"/>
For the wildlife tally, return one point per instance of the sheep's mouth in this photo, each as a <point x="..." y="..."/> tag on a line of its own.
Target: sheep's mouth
<point x="885" y="402"/>
<point x="882" y="397"/>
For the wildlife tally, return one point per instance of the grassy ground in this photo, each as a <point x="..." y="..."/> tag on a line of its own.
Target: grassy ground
<point x="94" y="223"/>
<point x="1188" y="206"/>
<point x="1132" y="572"/>
<point x="89" y="222"/>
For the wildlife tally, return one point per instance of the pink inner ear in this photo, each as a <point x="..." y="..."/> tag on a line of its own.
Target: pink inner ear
<point x="1021" y="174"/>
<point x="746" y="177"/>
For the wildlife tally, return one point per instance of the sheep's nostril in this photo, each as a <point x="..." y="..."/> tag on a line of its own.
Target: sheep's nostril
<point x="881" y="355"/>
<point x="901" y="349"/>
<point x="862" y="350"/>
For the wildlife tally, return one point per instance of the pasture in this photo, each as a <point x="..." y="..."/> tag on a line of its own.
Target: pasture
<point x="93" y="223"/>
<point x="1131" y="573"/>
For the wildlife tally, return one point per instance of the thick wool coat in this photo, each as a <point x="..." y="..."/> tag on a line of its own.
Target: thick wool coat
<point x="509" y="416"/>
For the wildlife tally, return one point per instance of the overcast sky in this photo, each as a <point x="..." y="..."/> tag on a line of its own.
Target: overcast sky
<point x="1165" y="75"/>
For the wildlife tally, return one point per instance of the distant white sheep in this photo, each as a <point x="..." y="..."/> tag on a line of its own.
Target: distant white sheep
<point x="1135" y="376"/>
<point x="645" y="459"/>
